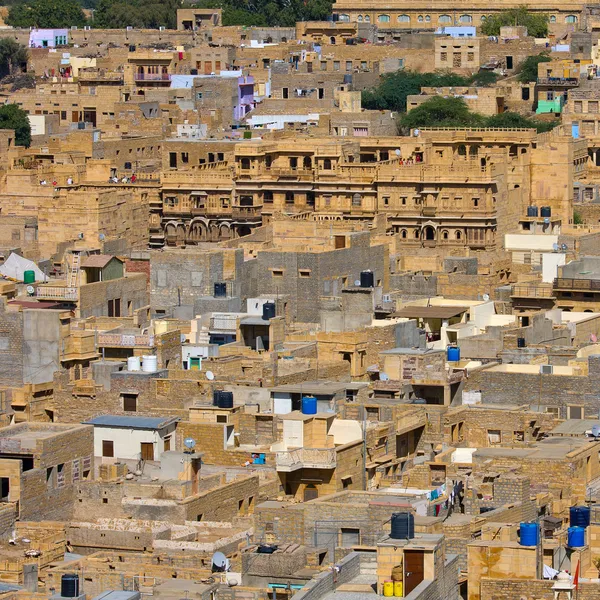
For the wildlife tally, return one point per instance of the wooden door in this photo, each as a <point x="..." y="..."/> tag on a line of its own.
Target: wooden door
<point x="147" y="451"/>
<point x="414" y="562"/>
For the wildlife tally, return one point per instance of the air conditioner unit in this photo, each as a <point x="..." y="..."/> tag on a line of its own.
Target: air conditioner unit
<point x="129" y="28"/>
<point x="387" y="298"/>
<point x="86" y="28"/>
<point x="73" y="27"/>
<point x="161" y="28"/>
<point x="546" y="369"/>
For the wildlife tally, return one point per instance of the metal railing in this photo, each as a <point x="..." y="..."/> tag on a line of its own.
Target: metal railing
<point x="563" y="283"/>
<point x="531" y="291"/>
<point x="57" y="293"/>
<point x="316" y="458"/>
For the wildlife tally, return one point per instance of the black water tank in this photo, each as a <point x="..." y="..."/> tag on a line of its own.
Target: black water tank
<point x="403" y="526"/>
<point x="265" y="549"/>
<point x="532" y="211"/>
<point x="268" y="311"/>
<point x="367" y="279"/>
<point x="226" y="400"/>
<point x="131" y="48"/>
<point x="193" y="71"/>
<point x="520" y="342"/>
<point x="546" y="211"/>
<point x="335" y="18"/>
<point x="216" y="397"/>
<point x="220" y="290"/>
<point x="69" y="585"/>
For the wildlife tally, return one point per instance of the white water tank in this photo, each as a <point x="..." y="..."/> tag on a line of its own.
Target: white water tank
<point x="133" y="363"/>
<point x="149" y="363"/>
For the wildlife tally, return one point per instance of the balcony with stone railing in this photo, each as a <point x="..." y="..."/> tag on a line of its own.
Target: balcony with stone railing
<point x="125" y="340"/>
<point x="306" y="458"/>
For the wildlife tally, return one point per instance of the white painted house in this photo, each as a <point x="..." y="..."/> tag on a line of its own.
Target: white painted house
<point x="134" y="438"/>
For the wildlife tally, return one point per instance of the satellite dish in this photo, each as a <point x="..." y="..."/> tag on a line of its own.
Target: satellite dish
<point x="210" y="375"/>
<point x="486" y="297"/>
<point x="101" y="237"/>
<point x="564" y="247"/>
<point x="357" y="283"/>
<point x="189" y="443"/>
<point x="30" y="290"/>
<point x="220" y="563"/>
<point x="183" y="338"/>
<point x="384" y="377"/>
<point x="397" y="151"/>
<point x="555" y="247"/>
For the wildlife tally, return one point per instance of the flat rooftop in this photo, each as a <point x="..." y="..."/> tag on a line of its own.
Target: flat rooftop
<point x="550" y="448"/>
<point x="127" y="422"/>
<point x="319" y="388"/>
<point x="574" y="427"/>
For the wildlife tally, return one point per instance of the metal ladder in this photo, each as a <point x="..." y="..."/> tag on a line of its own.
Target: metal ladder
<point x="74" y="270"/>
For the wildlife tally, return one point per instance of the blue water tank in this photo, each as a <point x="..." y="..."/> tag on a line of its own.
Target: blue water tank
<point x="532" y="211"/>
<point x="453" y="353"/>
<point x="403" y="526"/>
<point x="309" y="405"/>
<point x="575" y="537"/>
<point x="579" y="516"/>
<point x="529" y="534"/>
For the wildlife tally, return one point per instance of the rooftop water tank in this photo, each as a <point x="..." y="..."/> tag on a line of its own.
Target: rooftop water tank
<point x="579" y="516"/>
<point x="69" y="585"/>
<point x="268" y="311"/>
<point x="453" y="353"/>
<point x="529" y="534"/>
<point x="309" y="405"/>
<point x="134" y="363"/>
<point x="545" y="211"/>
<point x="220" y="290"/>
<point x="149" y="363"/>
<point x="403" y="526"/>
<point x="532" y="211"/>
<point x="575" y="537"/>
<point x="367" y="279"/>
<point x="225" y="400"/>
<point x="29" y="276"/>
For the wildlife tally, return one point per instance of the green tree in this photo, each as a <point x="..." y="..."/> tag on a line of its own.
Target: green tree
<point x="577" y="220"/>
<point x="537" y="24"/>
<point x="13" y="117"/>
<point x="48" y="14"/>
<point x="394" y="88"/>
<point x="484" y="78"/>
<point x="511" y="120"/>
<point x="441" y="112"/>
<point x="528" y="70"/>
<point x="151" y="14"/>
<point x="13" y="57"/>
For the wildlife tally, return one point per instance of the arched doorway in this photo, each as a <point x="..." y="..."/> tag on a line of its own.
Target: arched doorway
<point x="243" y="230"/>
<point x="429" y="233"/>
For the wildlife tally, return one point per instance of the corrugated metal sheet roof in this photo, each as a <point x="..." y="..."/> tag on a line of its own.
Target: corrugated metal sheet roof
<point x="131" y="422"/>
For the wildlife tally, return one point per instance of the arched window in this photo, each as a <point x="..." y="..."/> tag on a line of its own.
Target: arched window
<point x="419" y="18"/>
<point x="360" y="18"/>
<point x="445" y="19"/>
<point x="383" y="18"/>
<point x="483" y="17"/>
<point x="427" y="18"/>
<point x="403" y="234"/>
<point x="367" y="19"/>
<point x="403" y="19"/>
<point x="445" y="235"/>
<point x="344" y="18"/>
<point x="327" y="164"/>
<point x="552" y="19"/>
<point x="462" y="150"/>
<point x="417" y="234"/>
<point x="429" y="233"/>
<point x="570" y="19"/>
<point x="458" y="235"/>
<point x="465" y="19"/>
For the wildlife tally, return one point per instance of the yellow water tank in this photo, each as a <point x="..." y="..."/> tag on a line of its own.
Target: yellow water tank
<point x="388" y="588"/>
<point x="398" y="589"/>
